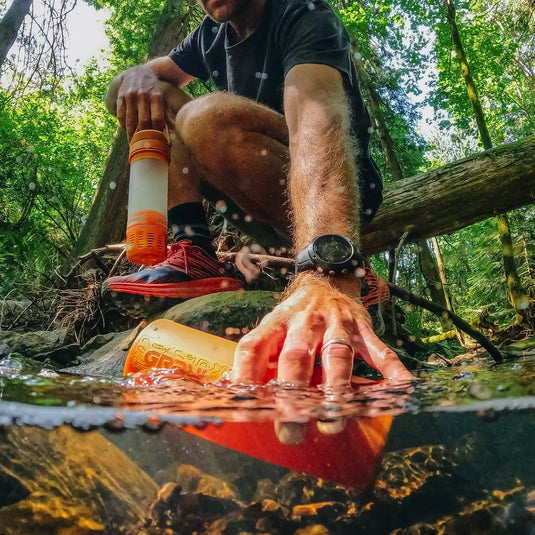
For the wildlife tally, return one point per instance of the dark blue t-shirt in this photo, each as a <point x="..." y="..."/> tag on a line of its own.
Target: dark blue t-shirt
<point x="290" y="33"/>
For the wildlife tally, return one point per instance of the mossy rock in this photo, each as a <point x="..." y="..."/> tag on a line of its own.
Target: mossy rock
<point x="106" y="360"/>
<point x="227" y="314"/>
<point x="34" y="343"/>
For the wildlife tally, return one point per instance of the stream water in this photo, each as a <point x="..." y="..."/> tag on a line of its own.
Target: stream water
<point x="450" y="453"/>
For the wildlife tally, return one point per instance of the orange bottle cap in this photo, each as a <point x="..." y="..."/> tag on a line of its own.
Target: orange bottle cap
<point x="149" y="144"/>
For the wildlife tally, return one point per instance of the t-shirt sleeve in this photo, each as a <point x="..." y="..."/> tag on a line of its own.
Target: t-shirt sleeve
<point x="314" y="34"/>
<point x="188" y="56"/>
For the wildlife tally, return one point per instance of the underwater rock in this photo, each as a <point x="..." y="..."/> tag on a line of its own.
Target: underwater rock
<point x="66" y="480"/>
<point x="34" y="343"/>
<point x="187" y="512"/>
<point x="192" y="479"/>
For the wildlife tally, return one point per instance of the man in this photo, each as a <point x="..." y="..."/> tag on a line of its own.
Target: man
<point x="284" y="138"/>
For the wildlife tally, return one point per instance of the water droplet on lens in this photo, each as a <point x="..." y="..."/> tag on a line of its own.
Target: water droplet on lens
<point x="113" y="185"/>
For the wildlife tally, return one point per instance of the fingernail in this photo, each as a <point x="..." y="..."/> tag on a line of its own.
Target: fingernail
<point x="290" y="433"/>
<point x="331" y="427"/>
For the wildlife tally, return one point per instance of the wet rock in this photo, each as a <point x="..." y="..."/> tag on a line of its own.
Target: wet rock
<point x="12" y="490"/>
<point x="35" y="343"/>
<point x="98" y="341"/>
<point x="265" y="490"/>
<point x="316" y="529"/>
<point x="18" y="363"/>
<point x="191" y="479"/>
<point x="106" y="361"/>
<point x="62" y="356"/>
<point x="323" y="510"/>
<point x="295" y="489"/>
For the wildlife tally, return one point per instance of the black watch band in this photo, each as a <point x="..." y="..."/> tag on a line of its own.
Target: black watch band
<point x="331" y="254"/>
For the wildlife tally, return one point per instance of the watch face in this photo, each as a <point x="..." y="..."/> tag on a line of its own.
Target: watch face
<point x="333" y="249"/>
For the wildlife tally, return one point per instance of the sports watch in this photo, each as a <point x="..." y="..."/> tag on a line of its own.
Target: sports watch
<point x="331" y="254"/>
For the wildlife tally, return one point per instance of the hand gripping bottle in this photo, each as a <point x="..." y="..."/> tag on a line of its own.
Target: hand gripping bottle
<point x="165" y="345"/>
<point x="182" y="351"/>
<point x="146" y="232"/>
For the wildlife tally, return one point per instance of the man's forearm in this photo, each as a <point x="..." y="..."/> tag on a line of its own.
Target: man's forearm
<point x="323" y="187"/>
<point x="322" y="180"/>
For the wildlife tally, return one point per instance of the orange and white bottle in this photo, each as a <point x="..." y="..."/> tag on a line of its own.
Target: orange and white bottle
<point x="146" y="232"/>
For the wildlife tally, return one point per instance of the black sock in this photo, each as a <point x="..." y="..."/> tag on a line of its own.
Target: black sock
<point x="188" y="222"/>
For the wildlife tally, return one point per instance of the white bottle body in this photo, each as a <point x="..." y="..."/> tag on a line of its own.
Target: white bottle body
<point x="148" y="186"/>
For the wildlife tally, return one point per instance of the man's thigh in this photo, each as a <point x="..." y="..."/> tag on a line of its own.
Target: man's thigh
<point x="242" y="150"/>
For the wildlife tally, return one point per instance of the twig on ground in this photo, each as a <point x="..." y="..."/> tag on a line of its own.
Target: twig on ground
<point x="94" y="254"/>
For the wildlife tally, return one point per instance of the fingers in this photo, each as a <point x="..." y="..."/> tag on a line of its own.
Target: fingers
<point x="296" y="360"/>
<point x="252" y="356"/>
<point x="337" y="351"/>
<point x="382" y="358"/>
<point x="157" y="114"/>
<point x="131" y="117"/>
<point x="141" y="111"/>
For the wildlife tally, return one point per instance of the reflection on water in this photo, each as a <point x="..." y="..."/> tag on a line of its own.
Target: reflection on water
<point x="451" y="453"/>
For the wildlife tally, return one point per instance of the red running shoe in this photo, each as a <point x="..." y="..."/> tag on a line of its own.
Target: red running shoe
<point x="188" y="272"/>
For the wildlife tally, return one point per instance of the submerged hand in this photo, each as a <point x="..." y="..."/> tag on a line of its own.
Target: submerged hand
<point x="318" y="310"/>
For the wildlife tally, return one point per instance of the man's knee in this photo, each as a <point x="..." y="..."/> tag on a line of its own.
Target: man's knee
<point x="211" y="122"/>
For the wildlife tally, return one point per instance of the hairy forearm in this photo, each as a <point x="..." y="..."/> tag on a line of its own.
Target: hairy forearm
<point x="322" y="179"/>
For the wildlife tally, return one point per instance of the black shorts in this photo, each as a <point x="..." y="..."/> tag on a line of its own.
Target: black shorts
<point x="370" y="187"/>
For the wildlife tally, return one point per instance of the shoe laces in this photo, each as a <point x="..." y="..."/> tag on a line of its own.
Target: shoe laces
<point x="192" y="260"/>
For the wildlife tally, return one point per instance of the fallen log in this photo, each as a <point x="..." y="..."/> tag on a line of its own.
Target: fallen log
<point x="454" y="196"/>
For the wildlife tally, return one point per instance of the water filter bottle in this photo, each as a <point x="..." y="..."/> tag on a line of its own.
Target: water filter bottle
<point x="146" y="232"/>
<point x="167" y="345"/>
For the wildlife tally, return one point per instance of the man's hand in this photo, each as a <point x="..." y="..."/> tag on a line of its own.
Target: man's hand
<point x="317" y="310"/>
<point x="139" y="101"/>
<point x="138" y="96"/>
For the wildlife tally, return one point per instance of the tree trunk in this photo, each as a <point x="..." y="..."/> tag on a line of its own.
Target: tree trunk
<point x="106" y="222"/>
<point x="10" y="25"/>
<point x="459" y="194"/>
<point x="433" y="281"/>
<point x="517" y="295"/>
